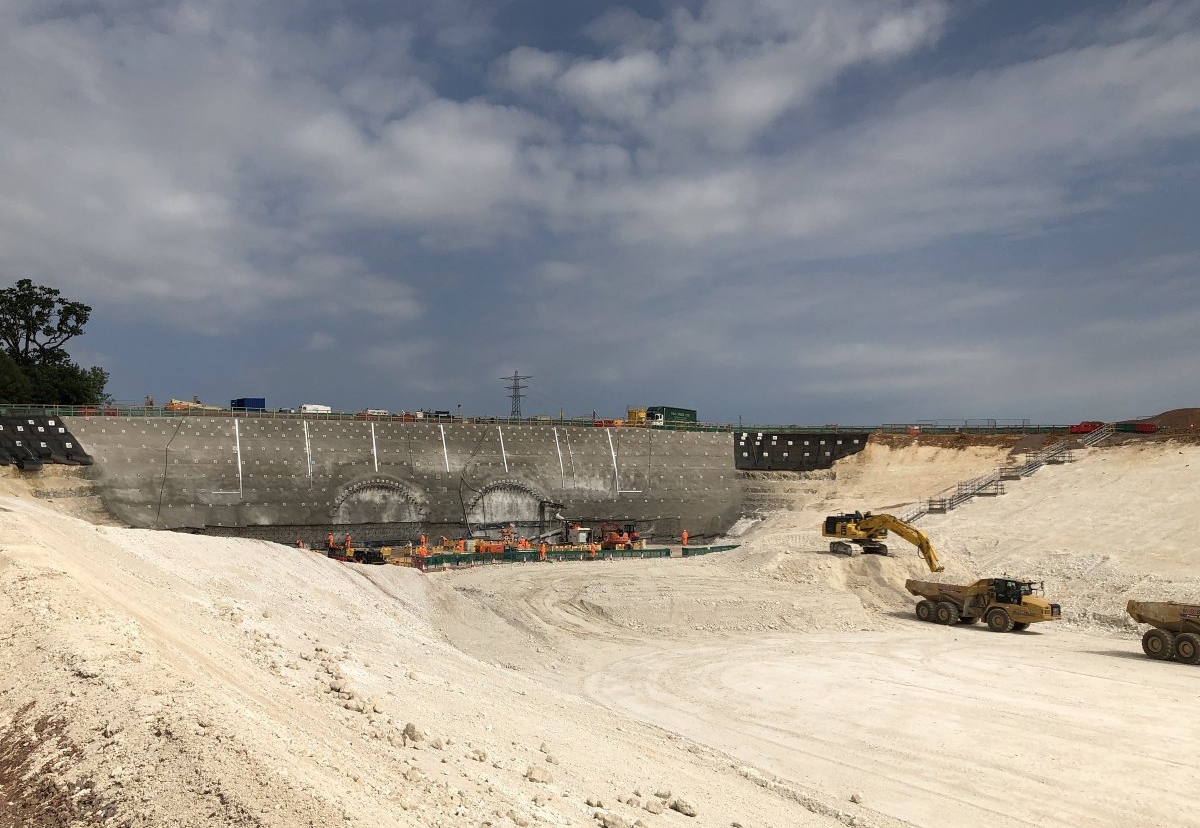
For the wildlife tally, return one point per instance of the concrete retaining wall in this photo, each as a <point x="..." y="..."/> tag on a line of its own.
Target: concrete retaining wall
<point x="266" y="476"/>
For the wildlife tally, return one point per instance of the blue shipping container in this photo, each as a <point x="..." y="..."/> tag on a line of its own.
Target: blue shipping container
<point x="249" y="404"/>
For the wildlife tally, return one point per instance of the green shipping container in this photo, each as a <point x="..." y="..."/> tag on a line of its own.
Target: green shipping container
<point x="671" y="415"/>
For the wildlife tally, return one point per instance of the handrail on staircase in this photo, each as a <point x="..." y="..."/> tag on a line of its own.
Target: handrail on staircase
<point x="967" y="489"/>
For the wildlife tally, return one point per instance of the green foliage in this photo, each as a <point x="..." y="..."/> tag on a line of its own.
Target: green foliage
<point x="35" y="323"/>
<point x="66" y="384"/>
<point x="14" y="385"/>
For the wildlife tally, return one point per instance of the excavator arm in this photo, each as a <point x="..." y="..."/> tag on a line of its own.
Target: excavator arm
<point x="873" y="523"/>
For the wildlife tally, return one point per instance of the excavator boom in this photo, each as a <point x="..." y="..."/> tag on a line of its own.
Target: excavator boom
<point x="910" y="533"/>
<point x="867" y="529"/>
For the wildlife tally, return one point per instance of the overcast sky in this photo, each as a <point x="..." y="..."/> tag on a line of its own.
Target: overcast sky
<point x="787" y="211"/>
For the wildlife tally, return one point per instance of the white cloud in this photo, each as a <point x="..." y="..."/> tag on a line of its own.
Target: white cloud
<point x="444" y="162"/>
<point x="1000" y="150"/>
<point x="203" y="166"/>
<point x="730" y="72"/>
<point x="527" y="69"/>
<point x="618" y="88"/>
<point x="625" y="30"/>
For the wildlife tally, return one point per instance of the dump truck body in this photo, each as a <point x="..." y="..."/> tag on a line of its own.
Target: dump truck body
<point x="1004" y="603"/>
<point x="1166" y="615"/>
<point x="1176" y="629"/>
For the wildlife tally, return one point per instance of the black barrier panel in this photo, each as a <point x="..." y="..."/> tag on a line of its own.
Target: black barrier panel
<point x="792" y="450"/>
<point x="32" y="440"/>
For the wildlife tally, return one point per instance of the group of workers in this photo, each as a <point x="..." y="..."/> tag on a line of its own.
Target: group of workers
<point x="332" y="547"/>
<point x="523" y="543"/>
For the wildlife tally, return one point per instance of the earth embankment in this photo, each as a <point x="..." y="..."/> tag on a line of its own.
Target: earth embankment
<point x="154" y="678"/>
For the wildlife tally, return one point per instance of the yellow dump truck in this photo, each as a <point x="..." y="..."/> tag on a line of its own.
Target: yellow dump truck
<point x="1176" y="629"/>
<point x="1004" y="603"/>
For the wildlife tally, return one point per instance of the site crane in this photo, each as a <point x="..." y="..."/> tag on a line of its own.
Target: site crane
<point x="857" y="531"/>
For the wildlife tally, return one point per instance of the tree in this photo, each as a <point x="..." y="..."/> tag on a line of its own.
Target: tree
<point x="66" y="384"/>
<point x="14" y="385"/>
<point x="35" y="323"/>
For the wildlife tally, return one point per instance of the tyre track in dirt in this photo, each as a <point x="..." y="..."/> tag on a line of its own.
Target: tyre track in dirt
<point x="935" y="733"/>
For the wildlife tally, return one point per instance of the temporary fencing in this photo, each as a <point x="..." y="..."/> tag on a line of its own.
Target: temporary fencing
<point x="692" y="551"/>
<point x="461" y="560"/>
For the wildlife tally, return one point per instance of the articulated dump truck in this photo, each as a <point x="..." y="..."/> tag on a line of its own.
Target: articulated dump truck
<point x="1005" y="604"/>
<point x="1175" y="633"/>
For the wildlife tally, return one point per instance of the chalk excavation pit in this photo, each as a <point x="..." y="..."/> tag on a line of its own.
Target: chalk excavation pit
<point x="152" y="678"/>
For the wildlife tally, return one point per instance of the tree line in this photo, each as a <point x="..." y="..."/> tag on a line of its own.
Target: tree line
<point x="36" y="322"/>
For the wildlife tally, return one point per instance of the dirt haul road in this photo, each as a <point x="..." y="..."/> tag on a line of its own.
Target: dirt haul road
<point x="936" y="732"/>
<point x="930" y="725"/>
<point x="810" y="668"/>
<point x="152" y="679"/>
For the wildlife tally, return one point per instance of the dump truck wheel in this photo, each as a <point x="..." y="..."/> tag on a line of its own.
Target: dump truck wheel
<point x="1020" y="625"/>
<point x="945" y="613"/>
<point x="999" y="621"/>
<point x="1158" y="644"/>
<point x="925" y="610"/>
<point x="1187" y="648"/>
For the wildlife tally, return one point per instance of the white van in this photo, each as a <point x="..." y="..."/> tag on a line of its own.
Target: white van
<point x="313" y="408"/>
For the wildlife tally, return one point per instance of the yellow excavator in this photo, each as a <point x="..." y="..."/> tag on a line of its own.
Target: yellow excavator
<point x="864" y="533"/>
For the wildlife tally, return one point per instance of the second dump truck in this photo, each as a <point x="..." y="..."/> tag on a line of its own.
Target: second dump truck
<point x="1005" y="604"/>
<point x="1175" y="629"/>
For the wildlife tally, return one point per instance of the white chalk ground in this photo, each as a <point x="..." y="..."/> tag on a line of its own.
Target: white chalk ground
<point x="204" y="681"/>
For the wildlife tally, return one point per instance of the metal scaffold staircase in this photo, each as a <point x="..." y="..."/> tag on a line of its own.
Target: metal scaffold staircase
<point x="993" y="483"/>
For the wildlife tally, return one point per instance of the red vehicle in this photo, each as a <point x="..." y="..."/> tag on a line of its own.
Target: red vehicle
<point x="616" y="536"/>
<point x="1086" y="427"/>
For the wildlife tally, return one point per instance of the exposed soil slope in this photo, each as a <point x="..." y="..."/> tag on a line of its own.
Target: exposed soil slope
<point x="151" y="678"/>
<point x="155" y="679"/>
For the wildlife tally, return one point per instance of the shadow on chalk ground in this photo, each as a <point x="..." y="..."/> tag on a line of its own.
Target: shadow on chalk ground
<point x="1130" y="654"/>
<point x="977" y="627"/>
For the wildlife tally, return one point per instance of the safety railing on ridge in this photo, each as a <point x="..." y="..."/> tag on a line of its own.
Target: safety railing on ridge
<point x="939" y="427"/>
<point x="993" y="482"/>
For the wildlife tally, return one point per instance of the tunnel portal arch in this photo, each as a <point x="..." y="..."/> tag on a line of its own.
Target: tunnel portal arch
<point x="505" y="501"/>
<point x="378" y="500"/>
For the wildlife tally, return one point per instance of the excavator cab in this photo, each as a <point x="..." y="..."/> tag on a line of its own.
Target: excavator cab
<point x="832" y="523"/>
<point x="848" y="526"/>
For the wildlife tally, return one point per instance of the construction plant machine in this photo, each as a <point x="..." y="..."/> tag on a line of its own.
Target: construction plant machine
<point x="1176" y="629"/>
<point x="856" y="532"/>
<point x="1006" y="604"/>
<point x="618" y="536"/>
